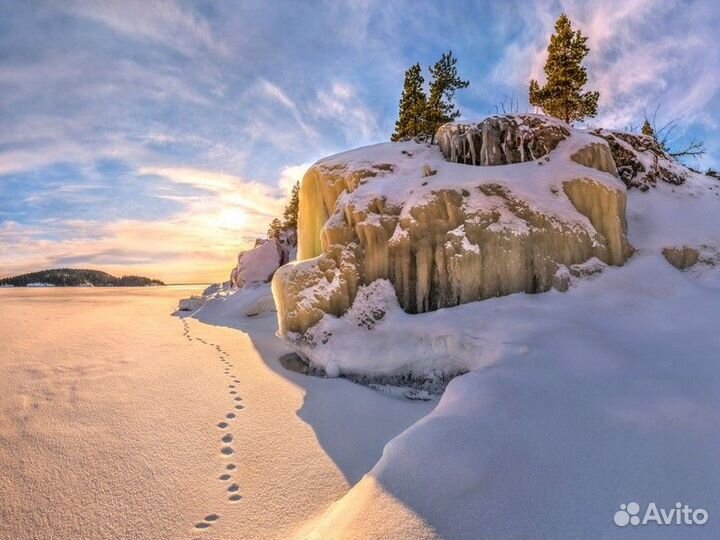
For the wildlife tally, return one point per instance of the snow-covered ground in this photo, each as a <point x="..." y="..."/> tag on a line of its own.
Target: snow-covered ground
<point x="113" y="413"/>
<point x="595" y="398"/>
<point x="118" y="420"/>
<point x="580" y="402"/>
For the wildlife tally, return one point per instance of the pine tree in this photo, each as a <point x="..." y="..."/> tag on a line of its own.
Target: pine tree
<point x="290" y="214"/>
<point x="440" y="106"/>
<point x="274" y="228"/>
<point x="562" y="95"/>
<point x="647" y="129"/>
<point x="410" y="122"/>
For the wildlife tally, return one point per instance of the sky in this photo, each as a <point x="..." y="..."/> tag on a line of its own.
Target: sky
<point x="160" y="138"/>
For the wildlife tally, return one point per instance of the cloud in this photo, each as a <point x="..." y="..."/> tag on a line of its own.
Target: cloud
<point x="340" y="105"/>
<point x="639" y="51"/>
<point x="166" y="135"/>
<point x="228" y="192"/>
<point x="176" y="251"/>
<point x="219" y="214"/>
<point x="290" y="175"/>
<point x="164" y="22"/>
<point x="276" y="93"/>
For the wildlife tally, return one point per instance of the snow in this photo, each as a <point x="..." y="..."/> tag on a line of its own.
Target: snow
<point x="590" y="399"/>
<point x="257" y="265"/>
<point x="565" y="405"/>
<point x="109" y="419"/>
<point x="575" y="402"/>
<point x="401" y="187"/>
<point x="191" y="304"/>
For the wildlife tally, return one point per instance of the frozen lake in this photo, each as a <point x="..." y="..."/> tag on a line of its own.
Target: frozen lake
<point x="118" y="420"/>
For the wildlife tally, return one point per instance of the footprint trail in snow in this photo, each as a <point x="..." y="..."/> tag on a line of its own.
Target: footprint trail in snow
<point x="226" y="449"/>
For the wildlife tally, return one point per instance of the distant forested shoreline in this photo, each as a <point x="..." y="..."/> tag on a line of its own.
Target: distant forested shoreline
<point x="76" y="277"/>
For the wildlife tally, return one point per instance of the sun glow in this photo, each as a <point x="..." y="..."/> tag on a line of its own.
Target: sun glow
<point x="231" y="218"/>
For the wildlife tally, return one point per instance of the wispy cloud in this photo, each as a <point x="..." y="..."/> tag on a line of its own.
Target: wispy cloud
<point x="339" y="105"/>
<point x="275" y="93"/>
<point x="166" y="135"/>
<point x="162" y="22"/>
<point x="642" y="54"/>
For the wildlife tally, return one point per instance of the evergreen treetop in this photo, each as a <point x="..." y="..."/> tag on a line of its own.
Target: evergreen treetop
<point x="647" y="129"/>
<point x="420" y="116"/>
<point x="410" y="122"/>
<point x="440" y="105"/>
<point x="562" y="95"/>
<point x="290" y="215"/>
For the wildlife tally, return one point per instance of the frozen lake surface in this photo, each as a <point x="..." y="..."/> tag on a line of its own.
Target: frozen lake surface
<point x="118" y="420"/>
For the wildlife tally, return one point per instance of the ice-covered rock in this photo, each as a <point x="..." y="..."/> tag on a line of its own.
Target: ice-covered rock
<point x="640" y="160"/>
<point x="463" y="233"/>
<point x="501" y="140"/>
<point x="684" y="257"/>
<point x="214" y="288"/>
<point x="258" y="264"/>
<point x="191" y="304"/>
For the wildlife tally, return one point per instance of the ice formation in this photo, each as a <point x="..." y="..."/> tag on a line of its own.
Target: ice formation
<point x="500" y="140"/>
<point x="461" y="234"/>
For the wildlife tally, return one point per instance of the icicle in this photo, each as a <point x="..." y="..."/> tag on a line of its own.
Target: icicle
<point x="469" y="137"/>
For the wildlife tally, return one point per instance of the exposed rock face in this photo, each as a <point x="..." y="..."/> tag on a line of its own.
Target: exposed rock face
<point x="682" y="257"/>
<point x="697" y="256"/>
<point x="461" y="234"/>
<point x="286" y="243"/>
<point x="500" y="140"/>
<point x="640" y="161"/>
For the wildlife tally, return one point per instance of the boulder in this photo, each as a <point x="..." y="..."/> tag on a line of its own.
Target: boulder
<point x="640" y="160"/>
<point x="257" y="265"/>
<point x="462" y="234"/>
<point x="191" y="304"/>
<point x="500" y="140"/>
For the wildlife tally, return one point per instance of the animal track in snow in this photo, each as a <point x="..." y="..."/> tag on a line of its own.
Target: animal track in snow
<point x="227" y="438"/>
<point x="227" y="450"/>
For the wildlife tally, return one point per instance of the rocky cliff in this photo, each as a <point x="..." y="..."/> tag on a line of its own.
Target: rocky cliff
<point x="446" y="228"/>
